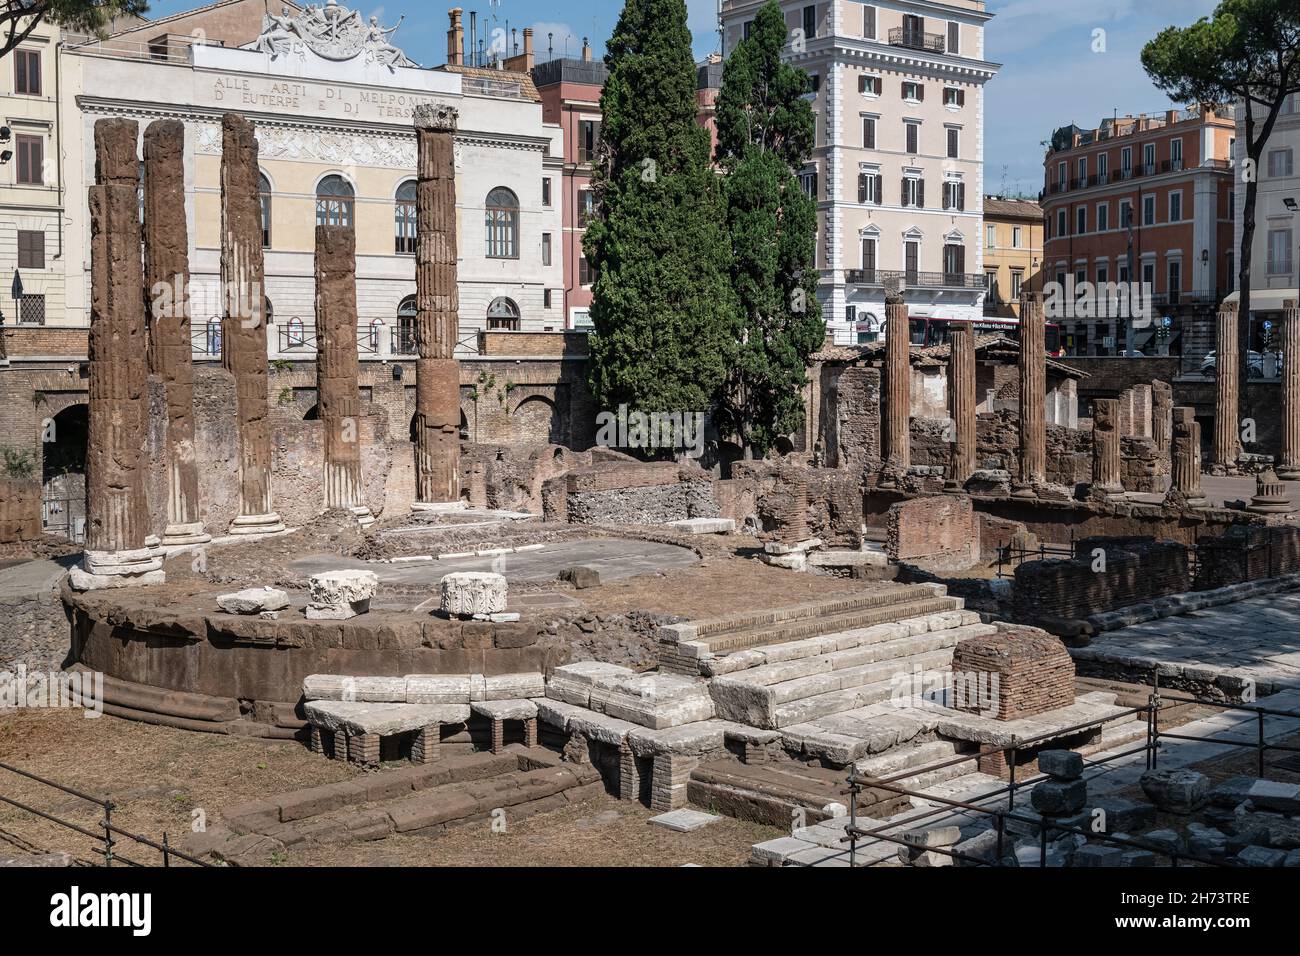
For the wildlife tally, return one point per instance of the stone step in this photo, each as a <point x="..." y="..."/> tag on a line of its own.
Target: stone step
<point x="774" y="793"/>
<point x="899" y="759"/>
<point x="753" y="662"/>
<point x="860" y="687"/>
<point x="773" y="617"/>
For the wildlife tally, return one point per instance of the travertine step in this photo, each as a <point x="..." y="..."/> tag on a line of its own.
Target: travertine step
<point x="775" y="793"/>
<point x="861" y="688"/>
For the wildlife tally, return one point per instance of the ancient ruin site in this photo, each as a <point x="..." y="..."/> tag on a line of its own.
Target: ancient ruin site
<point x="950" y="624"/>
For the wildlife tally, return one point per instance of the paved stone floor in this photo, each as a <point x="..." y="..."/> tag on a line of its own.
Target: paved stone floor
<point x="1255" y="639"/>
<point x="613" y="558"/>
<point x="29" y="578"/>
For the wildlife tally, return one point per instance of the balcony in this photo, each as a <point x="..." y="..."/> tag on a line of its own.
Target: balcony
<point x="877" y="278"/>
<point x="917" y="40"/>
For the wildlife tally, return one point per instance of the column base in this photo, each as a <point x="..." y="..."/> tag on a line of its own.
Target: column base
<point x="183" y="535"/>
<point x="257" y="524"/>
<point x="953" y="487"/>
<point x="1019" y="490"/>
<point x="365" y="517"/>
<point x="1288" y="474"/>
<point x="439" y="507"/>
<point x="101" y="570"/>
<point x="1108" y="493"/>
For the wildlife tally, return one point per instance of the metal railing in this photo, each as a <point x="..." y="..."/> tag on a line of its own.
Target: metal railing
<point x="1009" y="556"/>
<point x="64" y="515"/>
<point x="917" y="280"/>
<point x="1150" y="748"/>
<point x="917" y="40"/>
<point x="108" y="831"/>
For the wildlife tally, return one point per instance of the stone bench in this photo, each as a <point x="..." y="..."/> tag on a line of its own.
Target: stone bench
<point x="357" y="728"/>
<point x="499" y="711"/>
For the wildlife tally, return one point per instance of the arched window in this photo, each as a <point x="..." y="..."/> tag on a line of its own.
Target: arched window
<point x="404" y="219"/>
<point x="334" y="200"/>
<point x="264" y="195"/>
<point x="406" y="316"/>
<point x="502" y="224"/>
<point x="376" y="331"/>
<point x="503" y="314"/>
<point x="294" y="336"/>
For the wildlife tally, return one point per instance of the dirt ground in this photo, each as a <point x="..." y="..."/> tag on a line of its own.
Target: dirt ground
<point x="159" y="777"/>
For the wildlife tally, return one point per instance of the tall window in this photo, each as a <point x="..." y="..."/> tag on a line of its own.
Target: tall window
<point x="1081" y="220"/>
<point x="869" y="186"/>
<point x="31" y="249"/>
<point x="1176" y="206"/>
<point x="868" y="22"/>
<point x="1279" y="162"/>
<point x="546" y="248"/>
<point x="868" y="132"/>
<point x="502" y="224"/>
<point x="503" y="314"/>
<point x="1279" y="252"/>
<point x="586" y="206"/>
<point x="586" y="274"/>
<point x="407" y="314"/>
<point x="954" y="195"/>
<point x="404" y="219"/>
<point x="213" y="337"/>
<point x="31" y="160"/>
<point x="913" y="137"/>
<point x="264" y="197"/>
<point x="27" y="72"/>
<point x="1176" y="153"/>
<point x="913" y="191"/>
<point x="334" y="201"/>
<point x="1017" y="241"/>
<point x="810" y="21"/>
<point x="1149" y="157"/>
<point x="954" y="260"/>
<point x="911" y="259"/>
<point x="954" y="37"/>
<point x="588" y="139"/>
<point x="295" y="335"/>
<point x="869" y="248"/>
<point x="546" y="190"/>
<point x="954" y="142"/>
<point x="1148" y="210"/>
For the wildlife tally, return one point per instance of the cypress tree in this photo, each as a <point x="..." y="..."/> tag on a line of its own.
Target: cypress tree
<point x="765" y="136"/>
<point x="662" y="309"/>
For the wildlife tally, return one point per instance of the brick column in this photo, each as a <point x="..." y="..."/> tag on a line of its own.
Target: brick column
<point x="363" y="749"/>
<point x="243" y="327"/>
<point x="167" y="280"/>
<point x="1033" y="394"/>
<point x="530" y="732"/>
<point x="340" y="749"/>
<point x="1288" y="467"/>
<point x="317" y="743"/>
<point x="337" y="369"/>
<point x="119" y="548"/>
<point x="1227" y="441"/>
<point x="1106" y="483"/>
<point x="668" y="781"/>
<point x="898" y="390"/>
<point x="631" y="779"/>
<point x="427" y="746"/>
<point x="498" y="735"/>
<point x="437" y="372"/>
<point x="1186" y="454"/>
<point x="961" y="405"/>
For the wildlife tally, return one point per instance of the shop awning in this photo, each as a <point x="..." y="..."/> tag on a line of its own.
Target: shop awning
<point x="1266" y="300"/>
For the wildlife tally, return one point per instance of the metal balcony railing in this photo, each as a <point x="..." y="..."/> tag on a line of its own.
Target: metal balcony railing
<point x="917" y="280"/>
<point x="917" y="40"/>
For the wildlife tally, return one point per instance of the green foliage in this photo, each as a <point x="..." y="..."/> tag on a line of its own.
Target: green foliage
<point x="281" y="365"/>
<point x="18" y="463"/>
<point x="18" y="20"/>
<point x="765" y="136"/>
<point x="663" y="313"/>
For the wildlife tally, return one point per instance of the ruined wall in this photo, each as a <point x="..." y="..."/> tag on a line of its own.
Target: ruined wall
<point x="1143" y="467"/>
<point x="1069" y="450"/>
<point x="850" y="416"/>
<point x="1247" y="554"/>
<point x="939" y="530"/>
<point x="20" y="510"/>
<point x="1025" y="672"/>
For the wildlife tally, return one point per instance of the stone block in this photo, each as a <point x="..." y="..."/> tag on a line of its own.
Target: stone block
<point x="1059" y="797"/>
<point x="1263" y="794"/>
<point x="1061" y="764"/>
<point x="467" y="593"/>
<point x="684" y="821"/>
<point x="341" y="595"/>
<point x="1258" y="856"/>
<point x="514" y="686"/>
<point x="253" y="601"/>
<point x="581" y="577"/>
<point x="438" y="688"/>
<point x="1176" y="791"/>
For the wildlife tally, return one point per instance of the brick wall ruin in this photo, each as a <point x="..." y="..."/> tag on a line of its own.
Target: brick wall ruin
<point x="1028" y="672"/>
<point x="629" y="492"/>
<point x="20" y="510"/>
<point x="938" y="531"/>
<point x="1247" y="554"/>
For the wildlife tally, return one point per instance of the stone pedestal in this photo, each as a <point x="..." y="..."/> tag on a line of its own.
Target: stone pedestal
<point x="437" y="372"/>
<point x="471" y="593"/>
<point x="337" y="369"/>
<point x="1186" y="460"/>
<point x="1227" y="441"/>
<point x="1288" y="467"/>
<point x="340" y="595"/>
<point x="1106" y="481"/>
<point x="1270" y="496"/>
<point x="243" y="328"/>
<point x="119" y="548"/>
<point x="961" y="406"/>
<point x="1033" y="394"/>
<point x="167" y="278"/>
<point x="898" y="393"/>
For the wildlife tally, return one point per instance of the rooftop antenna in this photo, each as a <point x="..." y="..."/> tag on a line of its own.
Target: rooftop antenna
<point x="550" y="46"/>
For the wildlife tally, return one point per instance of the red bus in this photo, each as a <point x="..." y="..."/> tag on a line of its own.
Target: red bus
<point x="934" y="331"/>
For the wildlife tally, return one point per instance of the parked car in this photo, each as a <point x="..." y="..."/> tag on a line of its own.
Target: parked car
<point x="1209" y="365"/>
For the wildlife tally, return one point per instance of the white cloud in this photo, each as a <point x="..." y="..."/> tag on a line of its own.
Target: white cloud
<point x="565" y="41"/>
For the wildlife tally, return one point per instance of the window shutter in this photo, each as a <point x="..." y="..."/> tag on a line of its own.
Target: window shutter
<point x="20" y="69"/>
<point x="880" y="189"/>
<point x="920" y="193"/>
<point x="862" y="187"/>
<point x="904" y="199"/>
<point x="904" y="89"/>
<point x="961" y="196"/>
<point x="961" y="260"/>
<point x="920" y="92"/>
<point x="961" y="97"/>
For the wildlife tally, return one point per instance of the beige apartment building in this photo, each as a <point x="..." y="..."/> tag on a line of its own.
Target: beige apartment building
<point x="1013" y="253"/>
<point x="898" y="169"/>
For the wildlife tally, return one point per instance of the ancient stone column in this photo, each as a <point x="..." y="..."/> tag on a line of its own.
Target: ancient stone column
<point x="1186" y="445"/>
<point x="1033" y="394"/>
<point x="898" y="389"/>
<point x="119" y="549"/>
<point x="243" y="327"/>
<point x="167" y="279"/>
<point x="1227" y="441"/>
<point x="337" y="369"/>
<point x="1162" y="407"/>
<point x="961" y="404"/>
<point x="437" y="372"/>
<point x="1106" y="481"/>
<point x="1288" y="467"/>
<point x="1270" y="495"/>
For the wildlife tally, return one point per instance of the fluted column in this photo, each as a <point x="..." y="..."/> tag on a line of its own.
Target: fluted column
<point x="437" y="372"/>
<point x="167" y="280"/>
<point x="898" y="391"/>
<point x="961" y="404"/>
<point x="1033" y="395"/>
<point x="1288" y="468"/>
<point x="337" y="369"/>
<point x="1186" y="446"/>
<point x="243" y="327"/>
<point x="1227" y="440"/>
<point x="1106" y="481"/>
<point x="119" y="548"/>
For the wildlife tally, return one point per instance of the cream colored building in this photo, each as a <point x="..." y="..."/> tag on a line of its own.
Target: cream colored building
<point x="1013" y="253"/>
<point x="333" y="114"/>
<point x="898" y="169"/>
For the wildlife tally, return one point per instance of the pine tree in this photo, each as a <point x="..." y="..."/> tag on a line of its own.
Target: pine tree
<point x="662" y="309"/>
<point x="765" y="136"/>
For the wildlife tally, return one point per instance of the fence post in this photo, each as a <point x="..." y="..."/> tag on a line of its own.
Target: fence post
<point x="108" y="833"/>
<point x="999" y="824"/>
<point x="853" y="820"/>
<point x="1155" y="719"/>
<point x="1011" y="796"/>
<point x="165" y="851"/>
<point x="1262" y="745"/>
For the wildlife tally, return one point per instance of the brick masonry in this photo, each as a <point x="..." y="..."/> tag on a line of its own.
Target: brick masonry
<point x="1033" y="670"/>
<point x="938" y="529"/>
<point x="20" y="510"/>
<point x="1247" y="554"/>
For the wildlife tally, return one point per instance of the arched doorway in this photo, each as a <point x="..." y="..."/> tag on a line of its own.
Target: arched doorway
<point x="503" y="315"/>
<point x="63" y="472"/>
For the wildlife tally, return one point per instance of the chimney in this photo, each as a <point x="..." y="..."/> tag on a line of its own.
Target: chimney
<point x="586" y="50"/>
<point x="523" y="62"/>
<point x="455" y="39"/>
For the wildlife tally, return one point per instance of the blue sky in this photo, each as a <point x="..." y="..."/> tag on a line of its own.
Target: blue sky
<point x="1050" y="76"/>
